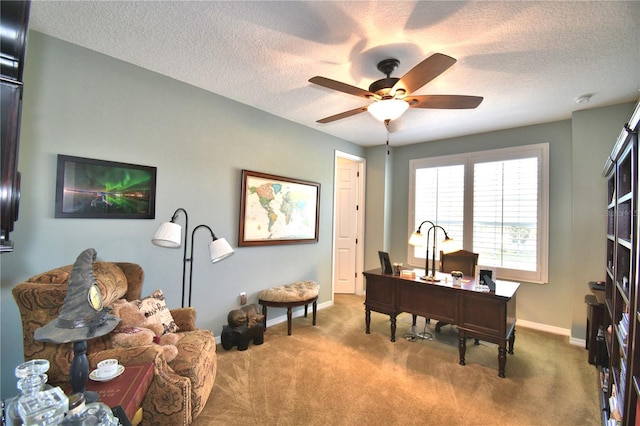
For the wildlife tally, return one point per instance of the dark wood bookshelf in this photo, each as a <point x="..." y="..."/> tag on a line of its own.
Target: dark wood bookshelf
<point x="619" y="380"/>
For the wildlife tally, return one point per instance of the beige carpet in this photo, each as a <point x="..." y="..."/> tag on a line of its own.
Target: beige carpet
<point x="335" y="374"/>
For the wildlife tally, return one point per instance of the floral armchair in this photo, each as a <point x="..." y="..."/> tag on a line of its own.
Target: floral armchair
<point x="179" y="389"/>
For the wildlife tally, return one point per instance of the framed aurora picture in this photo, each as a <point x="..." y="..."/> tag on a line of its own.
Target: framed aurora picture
<point x="89" y="188"/>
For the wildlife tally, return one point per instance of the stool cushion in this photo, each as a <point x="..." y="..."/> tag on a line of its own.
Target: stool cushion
<point x="295" y="292"/>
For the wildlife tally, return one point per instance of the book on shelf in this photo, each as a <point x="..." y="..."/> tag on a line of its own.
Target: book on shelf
<point x="623" y="334"/>
<point x="604" y="378"/>
<point x="614" y="408"/>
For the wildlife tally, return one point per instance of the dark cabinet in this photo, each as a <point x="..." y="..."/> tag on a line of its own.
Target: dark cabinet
<point x="14" y="18"/>
<point x="620" y="379"/>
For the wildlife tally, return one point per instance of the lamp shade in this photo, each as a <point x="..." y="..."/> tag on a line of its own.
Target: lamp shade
<point x="388" y="109"/>
<point x="417" y="239"/>
<point x="168" y="235"/>
<point x="220" y="249"/>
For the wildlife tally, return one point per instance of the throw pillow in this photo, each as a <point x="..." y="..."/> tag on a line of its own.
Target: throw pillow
<point x="155" y="309"/>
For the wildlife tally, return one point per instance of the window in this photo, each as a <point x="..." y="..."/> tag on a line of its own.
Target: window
<point x="494" y="203"/>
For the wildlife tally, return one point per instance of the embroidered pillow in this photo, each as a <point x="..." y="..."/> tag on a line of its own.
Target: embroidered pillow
<point x="155" y="308"/>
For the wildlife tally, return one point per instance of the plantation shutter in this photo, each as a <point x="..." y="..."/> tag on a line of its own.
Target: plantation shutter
<point x="505" y="213"/>
<point x="439" y="198"/>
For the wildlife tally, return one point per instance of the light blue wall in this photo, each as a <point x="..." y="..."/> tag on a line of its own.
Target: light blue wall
<point x="594" y="135"/>
<point x="578" y="149"/>
<point x="378" y="205"/>
<point x="81" y="103"/>
<point x="543" y="304"/>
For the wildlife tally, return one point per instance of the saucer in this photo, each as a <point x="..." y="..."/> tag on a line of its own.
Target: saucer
<point x="96" y="377"/>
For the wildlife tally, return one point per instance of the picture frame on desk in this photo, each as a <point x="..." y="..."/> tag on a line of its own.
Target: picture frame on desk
<point x="485" y="271"/>
<point x="385" y="263"/>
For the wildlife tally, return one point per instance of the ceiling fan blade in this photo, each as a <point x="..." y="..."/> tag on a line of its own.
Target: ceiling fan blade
<point x="342" y="115"/>
<point x="444" y="101"/>
<point x="341" y="87"/>
<point x="424" y="72"/>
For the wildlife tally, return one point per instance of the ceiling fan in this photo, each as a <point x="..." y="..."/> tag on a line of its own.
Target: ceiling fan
<point x="392" y="95"/>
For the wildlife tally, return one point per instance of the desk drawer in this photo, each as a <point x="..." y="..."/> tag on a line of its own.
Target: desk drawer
<point x="483" y="314"/>
<point x="430" y="301"/>
<point x="381" y="294"/>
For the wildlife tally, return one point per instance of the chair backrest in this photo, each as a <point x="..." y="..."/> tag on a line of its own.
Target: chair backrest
<point x="461" y="260"/>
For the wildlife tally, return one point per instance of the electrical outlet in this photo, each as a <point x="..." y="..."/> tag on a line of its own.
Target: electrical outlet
<point x="243" y="298"/>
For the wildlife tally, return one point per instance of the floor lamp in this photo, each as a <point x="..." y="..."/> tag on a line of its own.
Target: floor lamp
<point x="169" y="235"/>
<point x="219" y="249"/>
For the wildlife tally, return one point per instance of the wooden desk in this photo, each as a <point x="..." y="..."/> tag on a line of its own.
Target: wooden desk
<point x="489" y="316"/>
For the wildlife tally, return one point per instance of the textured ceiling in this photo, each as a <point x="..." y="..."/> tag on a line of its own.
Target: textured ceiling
<point x="529" y="60"/>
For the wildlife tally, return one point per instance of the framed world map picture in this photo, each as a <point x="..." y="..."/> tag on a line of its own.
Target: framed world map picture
<point x="278" y="210"/>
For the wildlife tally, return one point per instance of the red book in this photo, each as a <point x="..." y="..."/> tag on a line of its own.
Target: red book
<point x="127" y="390"/>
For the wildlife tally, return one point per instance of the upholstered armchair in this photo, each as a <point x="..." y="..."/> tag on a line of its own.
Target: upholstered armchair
<point x="179" y="390"/>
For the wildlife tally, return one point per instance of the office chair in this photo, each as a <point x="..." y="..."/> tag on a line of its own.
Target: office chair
<point x="461" y="260"/>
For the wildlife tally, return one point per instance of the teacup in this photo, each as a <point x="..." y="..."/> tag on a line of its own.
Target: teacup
<point x="108" y="367"/>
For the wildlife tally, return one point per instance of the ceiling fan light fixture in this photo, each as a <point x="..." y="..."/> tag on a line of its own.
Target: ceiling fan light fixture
<point x="388" y="109"/>
<point x="400" y="93"/>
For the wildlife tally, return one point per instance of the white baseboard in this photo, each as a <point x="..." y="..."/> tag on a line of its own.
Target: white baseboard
<point x="551" y="329"/>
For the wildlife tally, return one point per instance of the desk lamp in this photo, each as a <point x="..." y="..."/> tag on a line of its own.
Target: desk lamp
<point x="418" y="239"/>
<point x="82" y="317"/>
<point x="432" y="276"/>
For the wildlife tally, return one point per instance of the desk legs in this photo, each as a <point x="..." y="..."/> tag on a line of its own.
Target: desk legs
<point x="393" y="327"/>
<point x="367" y="320"/>
<point x="512" y="340"/>
<point x="367" y="323"/>
<point x="502" y="350"/>
<point x="502" y="360"/>
<point x="462" y="346"/>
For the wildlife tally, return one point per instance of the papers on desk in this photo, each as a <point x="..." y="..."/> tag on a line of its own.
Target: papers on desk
<point x="409" y="273"/>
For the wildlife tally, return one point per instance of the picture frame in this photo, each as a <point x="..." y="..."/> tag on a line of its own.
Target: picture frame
<point x="485" y="271"/>
<point x="278" y="210"/>
<point x="100" y="189"/>
<point x="385" y="263"/>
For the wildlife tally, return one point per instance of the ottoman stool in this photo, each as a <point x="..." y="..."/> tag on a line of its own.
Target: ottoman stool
<point x="288" y="296"/>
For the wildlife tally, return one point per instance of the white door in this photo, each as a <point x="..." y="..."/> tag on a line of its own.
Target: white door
<point x="346" y="232"/>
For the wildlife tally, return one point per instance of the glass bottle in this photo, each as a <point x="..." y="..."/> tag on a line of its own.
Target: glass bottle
<point x="93" y="414"/>
<point x="31" y="380"/>
<point x="44" y="408"/>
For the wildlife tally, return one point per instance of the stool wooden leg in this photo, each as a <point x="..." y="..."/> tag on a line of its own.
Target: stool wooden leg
<point x="305" y="310"/>
<point x="264" y="312"/>
<point x="315" y="308"/>
<point x="289" y="320"/>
